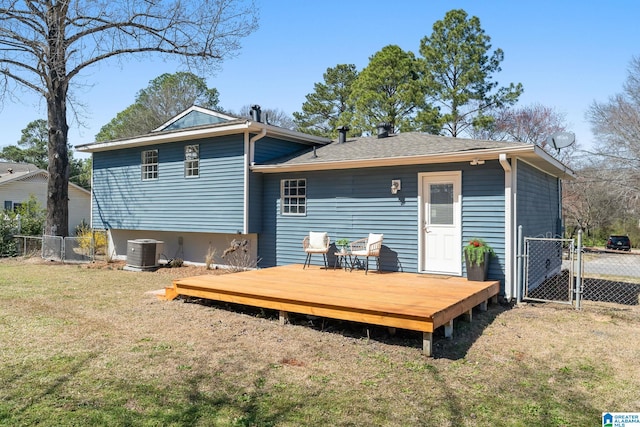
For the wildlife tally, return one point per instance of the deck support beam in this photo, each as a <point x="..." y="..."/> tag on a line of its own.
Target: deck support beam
<point x="284" y="317"/>
<point x="483" y="306"/>
<point x="448" y="329"/>
<point x="468" y="315"/>
<point x="427" y="341"/>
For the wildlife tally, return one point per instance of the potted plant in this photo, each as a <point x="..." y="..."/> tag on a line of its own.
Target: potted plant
<point x="342" y="244"/>
<point x="476" y="255"/>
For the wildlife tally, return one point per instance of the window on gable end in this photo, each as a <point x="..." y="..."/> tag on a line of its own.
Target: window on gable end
<point x="293" y="196"/>
<point x="149" y="165"/>
<point x="191" y="161"/>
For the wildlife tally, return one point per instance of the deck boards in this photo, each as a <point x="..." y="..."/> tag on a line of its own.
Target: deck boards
<point x="403" y="300"/>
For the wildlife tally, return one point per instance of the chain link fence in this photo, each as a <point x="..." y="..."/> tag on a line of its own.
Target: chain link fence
<point x="53" y="248"/>
<point x="91" y="245"/>
<point x="611" y="276"/>
<point x="28" y="246"/>
<point x="563" y="271"/>
<point x="549" y="269"/>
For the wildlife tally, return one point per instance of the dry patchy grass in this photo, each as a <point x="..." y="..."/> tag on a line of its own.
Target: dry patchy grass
<point x="88" y="345"/>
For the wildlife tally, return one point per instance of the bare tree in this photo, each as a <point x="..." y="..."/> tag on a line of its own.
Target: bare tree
<point x="46" y="44"/>
<point x="532" y="124"/>
<point x="616" y="125"/>
<point x="587" y="203"/>
<point x="272" y="116"/>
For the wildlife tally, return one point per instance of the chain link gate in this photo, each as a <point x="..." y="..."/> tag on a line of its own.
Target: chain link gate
<point x="549" y="269"/>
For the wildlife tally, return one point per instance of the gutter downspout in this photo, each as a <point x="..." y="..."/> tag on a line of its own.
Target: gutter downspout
<point x="249" y="151"/>
<point x="509" y="284"/>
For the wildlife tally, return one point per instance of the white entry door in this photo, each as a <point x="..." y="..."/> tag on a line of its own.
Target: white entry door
<point x="441" y="222"/>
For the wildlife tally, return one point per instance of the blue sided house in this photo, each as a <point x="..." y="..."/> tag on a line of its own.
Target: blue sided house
<point x="204" y="179"/>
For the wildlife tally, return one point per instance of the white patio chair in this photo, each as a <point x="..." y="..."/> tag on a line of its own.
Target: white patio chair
<point x="316" y="243"/>
<point x="367" y="247"/>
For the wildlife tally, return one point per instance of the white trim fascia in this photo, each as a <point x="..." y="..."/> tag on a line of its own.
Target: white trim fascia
<point x="462" y="156"/>
<point x="565" y="171"/>
<point x="220" y="129"/>
<point x="163" y="138"/>
<point x="535" y="155"/>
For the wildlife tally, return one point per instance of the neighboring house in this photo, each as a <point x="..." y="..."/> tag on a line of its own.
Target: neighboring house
<point x="195" y="187"/>
<point x="18" y="181"/>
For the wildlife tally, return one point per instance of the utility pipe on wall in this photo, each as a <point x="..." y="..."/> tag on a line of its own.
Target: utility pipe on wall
<point x="509" y="285"/>
<point x="248" y="159"/>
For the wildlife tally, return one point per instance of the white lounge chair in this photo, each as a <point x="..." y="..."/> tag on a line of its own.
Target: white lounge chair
<point x="368" y="247"/>
<point x="316" y="243"/>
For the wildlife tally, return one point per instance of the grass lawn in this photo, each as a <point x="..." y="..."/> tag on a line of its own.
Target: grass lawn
<point x="89" y="346"/>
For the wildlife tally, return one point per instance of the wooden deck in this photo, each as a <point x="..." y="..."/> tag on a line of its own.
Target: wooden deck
<point x="399" y="300"/>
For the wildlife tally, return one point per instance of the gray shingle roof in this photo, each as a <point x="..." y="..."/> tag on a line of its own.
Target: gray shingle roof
<point x="411" y="144"/>
<point x="10" y="171"/>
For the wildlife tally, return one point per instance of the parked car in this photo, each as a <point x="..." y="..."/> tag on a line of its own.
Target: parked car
<point x="620" y="243"/>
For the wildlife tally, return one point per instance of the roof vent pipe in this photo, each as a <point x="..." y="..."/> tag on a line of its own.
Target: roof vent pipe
<point x="383" y="130"/>
<point x="256" y="113"/>
<point x="342" y="134"/>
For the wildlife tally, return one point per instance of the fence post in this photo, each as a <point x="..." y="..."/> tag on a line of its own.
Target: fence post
<point x="519" y="276"/>
<point x="578" y="290"/>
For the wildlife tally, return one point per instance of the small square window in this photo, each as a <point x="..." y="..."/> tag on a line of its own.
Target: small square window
<point x="293" y="196"/>
<point x="192" y="161"/>
<point x="149" y="165"/>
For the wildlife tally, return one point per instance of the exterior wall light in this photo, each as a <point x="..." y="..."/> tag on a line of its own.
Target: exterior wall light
<point x="396" y="185"/>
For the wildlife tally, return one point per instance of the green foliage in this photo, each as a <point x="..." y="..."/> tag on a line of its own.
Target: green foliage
<point x="389" y="90"/>
<point x="28" y="220"/>
<point x="81" y="172"/>
<point x="342" y="242"/>
<point x="324" y="110"/>
<point x="8" y="228"/>
<point x="458" y="72"/>
<point x="32" y="217"/>
<point x="476" y="250"/>
<point x="32" y="146"/>
<point x="166" y="96"/>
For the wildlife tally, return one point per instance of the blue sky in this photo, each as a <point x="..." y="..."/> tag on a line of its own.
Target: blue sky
<point x="566" y="54"/>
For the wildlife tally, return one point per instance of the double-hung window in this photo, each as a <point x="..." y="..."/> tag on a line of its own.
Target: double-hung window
<point x="191" y="161"/>
<point x="293" y="196"/>
<point x="149" y="165"/>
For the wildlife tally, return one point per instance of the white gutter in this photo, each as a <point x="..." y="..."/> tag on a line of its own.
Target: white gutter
<point x="249" y="151"/>
<point x="509" y="224"/>
<point x="219" y="129"/>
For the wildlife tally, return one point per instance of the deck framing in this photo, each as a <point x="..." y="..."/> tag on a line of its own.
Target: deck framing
<point x="398" y="300"/>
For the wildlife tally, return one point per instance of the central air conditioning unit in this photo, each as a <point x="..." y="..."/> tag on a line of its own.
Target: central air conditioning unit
<point x="143" y="254"/>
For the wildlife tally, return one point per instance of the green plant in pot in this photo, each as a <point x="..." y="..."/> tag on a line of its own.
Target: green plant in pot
<point x="477" y="254"/>
<point x="342" y="244"/>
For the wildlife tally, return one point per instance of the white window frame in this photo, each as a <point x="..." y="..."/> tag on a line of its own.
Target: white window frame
<point x="293" y="201"/>
<point x="192" y="161"/>
<point x="149" y="168"/>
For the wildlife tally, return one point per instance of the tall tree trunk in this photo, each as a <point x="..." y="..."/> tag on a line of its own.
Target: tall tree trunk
<point x="58" y="186"/>
<point x="57" y="223"/>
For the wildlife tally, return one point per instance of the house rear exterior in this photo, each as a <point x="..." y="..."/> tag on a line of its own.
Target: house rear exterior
<point x="200" y="187"/>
